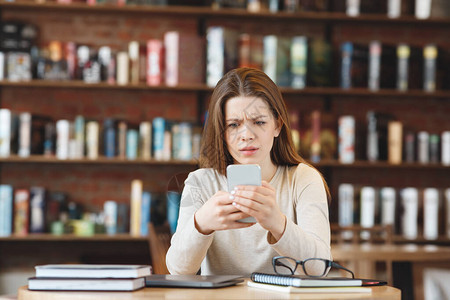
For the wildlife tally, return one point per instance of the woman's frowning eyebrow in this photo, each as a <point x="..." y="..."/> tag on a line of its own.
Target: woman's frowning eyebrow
<point x="253" y="118"/>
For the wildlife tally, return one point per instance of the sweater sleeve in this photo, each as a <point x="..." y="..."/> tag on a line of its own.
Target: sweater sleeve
<point x="310" y="237"/>
<point x="188" y="246"/>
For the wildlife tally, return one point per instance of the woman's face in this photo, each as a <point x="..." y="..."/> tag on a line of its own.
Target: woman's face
<point x="250" y="128"/>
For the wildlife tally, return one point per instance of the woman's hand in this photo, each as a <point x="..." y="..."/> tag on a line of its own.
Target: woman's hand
<point x="260" y="203"/>
<point x="218" y="213"/>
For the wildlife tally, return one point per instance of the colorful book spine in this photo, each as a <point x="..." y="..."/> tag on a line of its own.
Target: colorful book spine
<point x="445" y="148"/>
<point x="167" y="144"/>
<point x="24" y="134"/>
<point x="374" y="65"/>
<point x="368" y="204"/>
<point x="62" y="139"/>
<point x="154" y="62"/>
<point x="79" y="136"/>
<point x="145" y="212"/>
<point x="132" y="144"/>
<point x="315" y="136"/>
<point x="430" y="54"/>
<point x="395" y="138"/>
<point x="110" y="211"/>
<point x="145" y="139"/>
<point x="270" y="56"/>
<point x="388" y="201"/>
<point x="346" y="133"/>
<point x="403" y="53"/>
<point x="122" y="139"/>
<point x="215" y="60"/>
<point x="346" y="65"/>
<point x="37" y="209"/>
<point x="6" y="209"/>
<point x="159" y="127"/>
<point x="299" y="60"/>
<point x="172" y="47"/>
<point x="423" y="149"/>
<point x="92" y="139"/>
<point x="21" y="211"/>
<point x="133" y="54"/>
<point x="430" y="213"/>
<point x="182" y="141"/>
<point x="410" y="204"/>
<point x="135" y="207"/>
<point x="346" y="198"/>
<point x="5" y="132"/>
<point x="123" y="66"/>
<point x="109" y="138"/>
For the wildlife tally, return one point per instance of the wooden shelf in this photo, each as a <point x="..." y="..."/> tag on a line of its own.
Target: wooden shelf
<point x="42" y="237"/>
<point x="229" y="13"/>
<point x="375" y="165"/>
<point x="100" y="160"/>
<point x="311" y="91"/>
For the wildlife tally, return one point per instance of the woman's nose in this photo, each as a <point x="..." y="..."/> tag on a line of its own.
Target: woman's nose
<point x="246" y="133"/>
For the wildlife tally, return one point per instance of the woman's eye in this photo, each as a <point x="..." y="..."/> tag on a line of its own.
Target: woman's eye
<point x="260" y="122"/>
<point x="233" y="125"/>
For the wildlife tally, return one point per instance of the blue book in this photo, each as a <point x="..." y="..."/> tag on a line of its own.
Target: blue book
<point x="346" y="65"/>
<point x="109" y="138"/>
<point x="110" y="210"/>
<point x="145" y="212"/>
<point x="132" y="143"/>
<point x="173" y="209"/>
<point x="6" y="209"/>
<point x="159" y="126"/>
<point x="37" y="209"/>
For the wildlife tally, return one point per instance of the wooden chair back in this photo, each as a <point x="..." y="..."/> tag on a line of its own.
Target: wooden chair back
<point x="159" y="243"/>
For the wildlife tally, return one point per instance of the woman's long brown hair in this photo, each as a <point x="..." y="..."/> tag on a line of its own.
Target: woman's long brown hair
<point x="246" y="82"/>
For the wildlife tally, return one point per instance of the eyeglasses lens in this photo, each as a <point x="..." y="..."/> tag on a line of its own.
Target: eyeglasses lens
<point x="315" y="267"/>
<point x="285" y="266"/>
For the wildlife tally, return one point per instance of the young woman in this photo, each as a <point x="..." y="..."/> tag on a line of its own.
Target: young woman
<point x="248" y="124"/>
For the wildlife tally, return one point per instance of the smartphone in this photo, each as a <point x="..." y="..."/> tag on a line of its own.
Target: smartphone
<point x="243" y="175"/>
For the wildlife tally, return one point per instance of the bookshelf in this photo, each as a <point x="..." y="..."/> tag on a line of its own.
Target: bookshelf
<point x="187" y="101"/>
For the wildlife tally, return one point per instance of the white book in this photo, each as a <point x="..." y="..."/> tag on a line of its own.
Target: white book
<point x="352" y="9"/>
<point x="447" y="204"/>
<point x="387" y="206"/>
<point x="92" y="271"/>
<point x="311" y="290"/>
<point x="270" y="56"/>
<point x="135" y="207"/>
<point x="85" y="284"/>
<point x="423" y="147"/>
<point x="394" y="8"/>
<point x="110" y="212"/>
<point x="79" y="136"/>
<point x="62" y="139"/>
<point x="5" y="132"/>
<point x="167" y="145"/>
<point x="430" y="213"/>
<point x="374" y="65"/>
<point x="172" y="47"/>
<point x="346" y="198"/>
<point x="423" y="9"/>
<point x="123" y="68"/>
<point x="367" y="210"/>
<point x="145" y="139"/>
<point x="92" y="139"/>
<point x="346" y="133"/>
<point x="445" y="148"/>
<point x="24" y="134"/>
<point x="133" y="54"/>
<point x="410" y="202"/>
<point x="214" y="55"/>
<point x="184" y="146"/>
<point x="395" y="138"/>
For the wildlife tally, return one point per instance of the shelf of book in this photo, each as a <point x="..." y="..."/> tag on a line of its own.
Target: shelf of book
<point x="41" y="237"/>
<point x="229" y="13"/>
<point x="310" y="91"/>
<point x="118" y="161"/>
<point x="100" y="160"/>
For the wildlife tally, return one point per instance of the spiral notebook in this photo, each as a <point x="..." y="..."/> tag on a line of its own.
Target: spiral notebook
<point x="304" y="281"/>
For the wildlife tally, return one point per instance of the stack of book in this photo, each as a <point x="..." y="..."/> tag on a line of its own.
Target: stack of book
<point x="89" y="277"/>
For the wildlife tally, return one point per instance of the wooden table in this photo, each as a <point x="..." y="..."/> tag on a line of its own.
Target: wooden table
<point x="364" y="256"/>
<point x="241" y="291"/>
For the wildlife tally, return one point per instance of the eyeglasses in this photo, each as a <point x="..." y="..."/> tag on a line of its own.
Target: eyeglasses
<point x="312" y="267"/>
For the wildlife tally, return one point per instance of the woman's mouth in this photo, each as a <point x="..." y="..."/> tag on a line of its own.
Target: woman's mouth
<point x="247" y="151"/>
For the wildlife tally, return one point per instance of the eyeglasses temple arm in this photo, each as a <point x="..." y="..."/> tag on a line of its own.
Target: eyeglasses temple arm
<point x="336" y="265"/>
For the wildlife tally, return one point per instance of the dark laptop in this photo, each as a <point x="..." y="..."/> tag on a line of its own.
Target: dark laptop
<point x="192" y="281"/>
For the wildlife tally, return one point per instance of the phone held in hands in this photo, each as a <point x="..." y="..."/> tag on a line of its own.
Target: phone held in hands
<point x="243" y="175"/>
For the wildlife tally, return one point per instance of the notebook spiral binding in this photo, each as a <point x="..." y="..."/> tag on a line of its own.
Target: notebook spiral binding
<point x="272" y="279"/>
